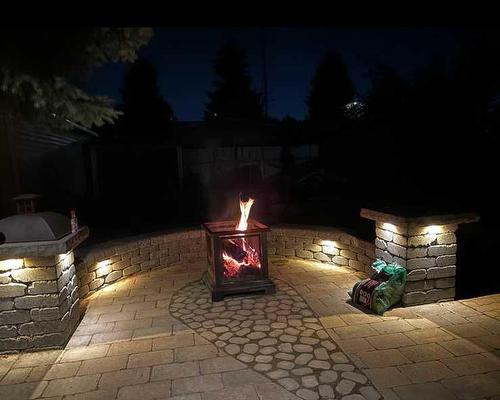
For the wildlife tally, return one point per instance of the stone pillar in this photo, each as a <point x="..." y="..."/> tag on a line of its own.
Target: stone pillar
<point x="426" y="247"/>
<point x="39" y="301"/>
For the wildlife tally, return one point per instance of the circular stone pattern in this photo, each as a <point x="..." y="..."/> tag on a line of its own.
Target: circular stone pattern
<point x="276" y="335"/>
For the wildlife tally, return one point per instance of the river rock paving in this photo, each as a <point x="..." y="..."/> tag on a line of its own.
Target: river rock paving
<point x="278" y="336"/>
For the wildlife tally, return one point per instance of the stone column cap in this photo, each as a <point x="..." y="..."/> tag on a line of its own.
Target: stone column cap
<point x="444" y="219"/>
<point x="44" y="248"/>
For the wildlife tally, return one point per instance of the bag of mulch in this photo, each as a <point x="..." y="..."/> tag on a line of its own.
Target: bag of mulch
<point x="383" y="289"/>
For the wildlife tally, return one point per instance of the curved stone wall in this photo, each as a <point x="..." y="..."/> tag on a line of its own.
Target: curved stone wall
<point x="323" y="244"/>
<point x="104" y="264"/>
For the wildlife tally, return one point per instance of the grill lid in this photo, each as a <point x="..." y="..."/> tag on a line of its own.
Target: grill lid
<point x="36" y="227"/>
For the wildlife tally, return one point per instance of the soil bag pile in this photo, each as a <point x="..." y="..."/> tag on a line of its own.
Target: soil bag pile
<point x="383" y="289"/>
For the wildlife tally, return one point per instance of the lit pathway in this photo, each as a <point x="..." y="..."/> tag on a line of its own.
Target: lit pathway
<point x="129" y="345"/>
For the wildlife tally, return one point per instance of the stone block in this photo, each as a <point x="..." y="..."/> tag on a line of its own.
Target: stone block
<point x="380" y="244"/>
<point x="400" y="239"/>
<point x="5" y="278"/>
<point x="418" y="263"/>
<point x="41" y="328"/>
<point x="41" y="261"/>
<point x="416" y="275"/>
<point x="121" y="265"/>
<point x="383" y="234"/>
<point x="330" y="250"/>
<point x="443" y="261"/>
<point x="8" y="332"/>
<point x="103" y="270"/>
<point x="441" y="250"/>
<point x="271" y="250"/>
<point x="322" y="257"/>
<point x="348" y="254"/>
<point x="131" y="270"/>
<point x="435" y="295"/>
<point x="45" y="314"/>
<point x="64" y="279"/>
<point x="422" y="285"/>
<point x="13" y="317"/>
<point x="417" y="252"/>
<point x="286" y="252"/>
<point x="304" y="254"/>
<point x="400" y="261"/>
<point x="49" y="340"/>
<point x="9" y="265"/>
<point x="396" y="250"/>
<point x="42" y="287"/>
<point x="339" y="260"/>
<point x="357" y="265"/>
<point x="445" y="283"/>
<point x="96" y="283"/>
<point x="446" y="238"/>
<point x="12" y="290"/>
<point x="422" y="240"/>
<point x="313" y="247"/>
<point x="113" y="276"/>
<point x="441" y="272"/>
<point x="15" y="343"/>
<point x="6" y="304"/>
<point x="384" y="255"/>
<point x="413" y="298"/>
<point x="36" y="301"/>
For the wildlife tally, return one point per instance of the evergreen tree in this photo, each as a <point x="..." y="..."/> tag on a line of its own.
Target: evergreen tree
<point x="233" y="96"/>
<point x="41" y="72"/>
<point x="331" y="90"/>
<point x="145" y="112"/>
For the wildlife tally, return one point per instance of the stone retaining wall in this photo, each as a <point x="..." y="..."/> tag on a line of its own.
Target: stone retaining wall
<point x="102" y="265"/>
<point x="39" y="302"/>
<point x="429" y="255"/>
<point x="327" y="245"/>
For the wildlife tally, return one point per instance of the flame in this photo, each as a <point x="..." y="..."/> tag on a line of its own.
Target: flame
<point x="245" y="207"/>
<point x="251" y="259"/>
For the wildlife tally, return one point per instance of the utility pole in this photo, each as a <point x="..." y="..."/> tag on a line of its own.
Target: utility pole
<point x="264" y="73"/>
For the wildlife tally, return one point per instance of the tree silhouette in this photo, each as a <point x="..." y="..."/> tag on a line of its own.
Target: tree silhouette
<point x="331" y="90"/>
<point x="145" y="111"/>
<point x="42" y="72"/>
<point x="233" y="96"/>
<point x="388" y="95"/>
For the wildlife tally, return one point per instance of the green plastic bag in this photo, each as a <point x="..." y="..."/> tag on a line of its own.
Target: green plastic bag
<point x="383" y="289"/>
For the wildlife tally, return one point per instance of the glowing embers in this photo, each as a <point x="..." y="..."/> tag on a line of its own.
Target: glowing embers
<point x="241" y="258"/>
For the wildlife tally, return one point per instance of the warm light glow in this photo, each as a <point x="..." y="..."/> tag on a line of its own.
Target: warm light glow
<point x="434" y="229"/>
<point x="65" y="259"/>
<point x="389" y="227"/>
<point x="102" y="267"/>
<point x="103" y="263"/>
<point x="329" y="243"/>
<point x="13" y="263"/>
<point x="245" y="207"/>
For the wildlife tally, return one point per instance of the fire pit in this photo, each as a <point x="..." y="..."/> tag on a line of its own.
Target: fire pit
<point x="237" y="256"/>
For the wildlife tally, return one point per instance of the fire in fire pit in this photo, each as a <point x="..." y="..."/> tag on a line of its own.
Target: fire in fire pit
<point x="237" y="255"/>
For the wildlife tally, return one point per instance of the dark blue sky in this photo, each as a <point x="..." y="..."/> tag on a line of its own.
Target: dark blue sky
<point x="183" y="58"/>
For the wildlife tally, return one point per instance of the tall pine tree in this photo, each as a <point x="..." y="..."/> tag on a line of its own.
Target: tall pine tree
<point x="145" y="111"/>
<point x="233" y="96"/>
<point x="331" y="90"/>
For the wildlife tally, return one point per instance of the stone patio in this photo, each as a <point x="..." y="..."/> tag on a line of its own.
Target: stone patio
<point x="156" y="335"/>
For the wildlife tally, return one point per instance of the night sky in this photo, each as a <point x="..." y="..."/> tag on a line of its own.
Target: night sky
<point x="183" y="58"/>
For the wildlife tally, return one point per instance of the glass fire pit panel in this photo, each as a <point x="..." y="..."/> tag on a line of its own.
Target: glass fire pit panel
<point x="241" y="258"/>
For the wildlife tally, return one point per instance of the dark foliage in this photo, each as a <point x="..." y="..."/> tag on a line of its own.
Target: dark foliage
<point x="331" y="90"/>
<point x="145" y="111"/>
<point x="233" y="96"/>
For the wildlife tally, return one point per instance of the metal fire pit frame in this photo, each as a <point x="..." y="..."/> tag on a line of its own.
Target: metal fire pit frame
<point x="215" y="232"/>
